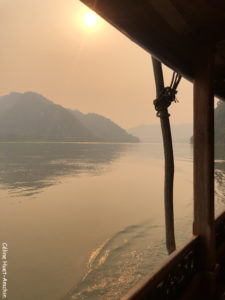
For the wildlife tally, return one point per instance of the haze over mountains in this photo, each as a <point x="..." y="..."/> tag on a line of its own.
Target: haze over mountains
<point x="152" y="133"/>
<point x="32" y="116"/>
<point x="181" y="132"/>
<point x="103" y="127"/>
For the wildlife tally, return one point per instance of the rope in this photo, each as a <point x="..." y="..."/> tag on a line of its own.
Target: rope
<point x="167" y="96"/>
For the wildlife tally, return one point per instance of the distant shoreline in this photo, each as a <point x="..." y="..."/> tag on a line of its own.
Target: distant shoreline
<point x="59" y="141"/>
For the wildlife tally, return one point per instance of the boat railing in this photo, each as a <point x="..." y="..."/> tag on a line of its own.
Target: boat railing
<point x="175" y="274"/>
<point x="220" y="237"/>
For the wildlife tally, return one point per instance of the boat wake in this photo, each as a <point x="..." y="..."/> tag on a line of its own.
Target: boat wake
<point x="116" y="265"/>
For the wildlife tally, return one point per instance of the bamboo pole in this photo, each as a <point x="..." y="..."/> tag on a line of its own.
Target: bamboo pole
<point x="169" y="161"/>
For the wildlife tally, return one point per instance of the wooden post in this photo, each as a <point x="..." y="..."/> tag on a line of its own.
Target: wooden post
<point x="204" y="224"/>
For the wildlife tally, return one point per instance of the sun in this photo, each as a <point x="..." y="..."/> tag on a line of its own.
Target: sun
<point x="90" y="19"/>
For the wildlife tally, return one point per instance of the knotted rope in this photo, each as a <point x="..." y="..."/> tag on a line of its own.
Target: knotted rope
<point x="167" y="96"/>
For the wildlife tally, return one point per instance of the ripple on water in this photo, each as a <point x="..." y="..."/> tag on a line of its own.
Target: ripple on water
<point x="120" y="262"/>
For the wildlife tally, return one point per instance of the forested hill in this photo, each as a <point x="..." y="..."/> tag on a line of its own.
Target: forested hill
<point x="103" y="128"/>
<point x="32" y="116"/>
<point x="220" y="123"/>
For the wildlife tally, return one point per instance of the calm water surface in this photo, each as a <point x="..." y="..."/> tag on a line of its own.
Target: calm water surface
<point x="86" y="221"/>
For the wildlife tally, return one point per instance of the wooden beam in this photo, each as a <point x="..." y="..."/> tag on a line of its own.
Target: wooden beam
<point x="204" y="224"/>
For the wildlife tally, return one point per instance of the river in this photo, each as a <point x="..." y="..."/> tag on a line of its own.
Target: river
<point x="86" y="220"/>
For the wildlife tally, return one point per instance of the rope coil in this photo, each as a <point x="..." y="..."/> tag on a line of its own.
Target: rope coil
<point x="167" y="96"/>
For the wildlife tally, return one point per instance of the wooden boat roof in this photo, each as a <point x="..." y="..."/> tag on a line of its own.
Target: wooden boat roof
<point x="174" y="31"/>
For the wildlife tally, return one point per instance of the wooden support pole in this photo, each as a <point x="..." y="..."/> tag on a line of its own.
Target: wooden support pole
<point x="158" y="74"/>
<point x="204" y="224"/>
<point x="169" y="161"/>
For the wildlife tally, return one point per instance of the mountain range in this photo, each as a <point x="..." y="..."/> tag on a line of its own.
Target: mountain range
<point x="31" y="116"/>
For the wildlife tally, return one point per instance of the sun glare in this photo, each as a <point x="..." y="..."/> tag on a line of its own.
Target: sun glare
<point x="90" y="19"/>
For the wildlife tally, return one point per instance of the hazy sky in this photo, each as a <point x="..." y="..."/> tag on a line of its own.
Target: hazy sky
<point x="46" y="48"/>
